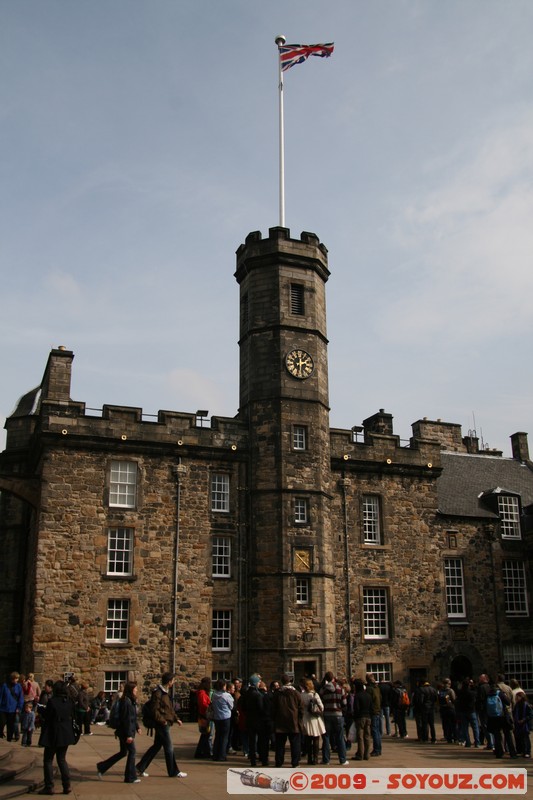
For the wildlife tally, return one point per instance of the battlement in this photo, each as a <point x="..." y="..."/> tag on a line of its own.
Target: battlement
<point x="279" y="247"/>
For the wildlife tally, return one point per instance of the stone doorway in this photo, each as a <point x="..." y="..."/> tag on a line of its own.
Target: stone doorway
<point x="304" y="669"/>
<point x="460" y="668"/>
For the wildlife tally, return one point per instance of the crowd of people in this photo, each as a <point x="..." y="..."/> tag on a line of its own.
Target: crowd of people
<point x="319" y="720"/>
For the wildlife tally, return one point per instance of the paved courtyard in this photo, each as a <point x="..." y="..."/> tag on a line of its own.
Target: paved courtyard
<point x="207" y="780"/>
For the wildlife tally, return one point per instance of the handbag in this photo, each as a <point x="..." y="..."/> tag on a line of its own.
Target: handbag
<point x="76" y="730"/>
<point x="314" y="707"/>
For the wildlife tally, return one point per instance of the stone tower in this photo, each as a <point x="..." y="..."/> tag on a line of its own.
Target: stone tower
<point x="284" y="400"/>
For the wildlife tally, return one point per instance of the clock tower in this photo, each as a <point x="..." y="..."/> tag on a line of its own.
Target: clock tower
<point x="284" y="399"/>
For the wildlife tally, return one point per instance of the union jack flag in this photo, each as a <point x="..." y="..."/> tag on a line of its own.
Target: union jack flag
<point x="291" y="54"/>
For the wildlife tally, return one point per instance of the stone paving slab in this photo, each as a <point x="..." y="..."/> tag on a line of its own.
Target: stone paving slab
<point x="206" y="780"/>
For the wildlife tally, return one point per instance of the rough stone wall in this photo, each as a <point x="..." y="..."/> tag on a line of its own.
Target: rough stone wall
<point x="73" y="587"/>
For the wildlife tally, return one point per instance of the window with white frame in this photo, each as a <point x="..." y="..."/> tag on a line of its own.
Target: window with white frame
<point x="114" y="680"/>
<point x="221" y="630"/>
<point x="120" y="551"/>
<point x="302" y="591"/>
<point x="375" y="613"/>
<point x="299" y="437"/>
<point x="217" y="675"/>
<point x="221" y="551"/>
<point x="371" y="521"/>
<point x="382" y="672"/>
<point x="518" y="664"/>
<point x="514" y="589"/>
<point x="219" y="492"/>
<point x="509" y="511"/>
<point x="301" y="510"/>
<point x="123" y="484"/>
<point x="455" y="588"/>
<point x="117" y="626"/>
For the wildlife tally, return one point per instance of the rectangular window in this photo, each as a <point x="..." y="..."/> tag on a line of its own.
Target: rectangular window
<point x="224" y="675"/>
<point x="514" y="589"/>
<point x="114" y="680"/>
<point x="301" y="510"/>
<point x="518" y="662"/>
<point x="382" y="672"/>
<point x="221" y="631"/>
<point x="509" y="510"/>
<point x="302" y="591"/>
<point x="375" y="614"/>
<point x="299" y="437"/>
<point x="221" y="557"/>
<point x="371" y="524"/>
<point x="118" y="612"/>
<point x="120" y="551"/>
<point x="220" y="493"/>
<point x="455" y="590"/>
<point x="297" y="299"/>
<point x="123" y="484"/>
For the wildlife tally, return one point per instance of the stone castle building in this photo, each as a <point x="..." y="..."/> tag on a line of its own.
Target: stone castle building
<point x="265" y="541"/>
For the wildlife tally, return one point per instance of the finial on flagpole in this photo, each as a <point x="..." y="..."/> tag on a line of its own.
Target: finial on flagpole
<point x="280" y="39"/>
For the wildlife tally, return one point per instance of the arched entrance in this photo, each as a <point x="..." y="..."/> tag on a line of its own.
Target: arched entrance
<point x="460" y="668"/>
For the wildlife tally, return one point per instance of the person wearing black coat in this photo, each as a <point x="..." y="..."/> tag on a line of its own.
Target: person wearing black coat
<point x="57" y="734"/>
<point x="126" y="730"/>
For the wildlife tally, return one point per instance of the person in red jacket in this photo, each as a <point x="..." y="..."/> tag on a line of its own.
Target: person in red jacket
<point x="204" y="748"/>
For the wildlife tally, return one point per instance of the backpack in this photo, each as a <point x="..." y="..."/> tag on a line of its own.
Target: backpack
<point x="494" y="705"/>
<point x="114" y="716"/>
<point x="148" y="714"/>
<point x="403" y="700"/>
<point x="444" y="698"/>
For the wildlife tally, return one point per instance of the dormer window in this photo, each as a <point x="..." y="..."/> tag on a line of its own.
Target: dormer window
<point x="509" y="511"/>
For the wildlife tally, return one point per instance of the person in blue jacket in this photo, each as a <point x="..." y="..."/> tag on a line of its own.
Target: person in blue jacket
<point x="11" y="705"/>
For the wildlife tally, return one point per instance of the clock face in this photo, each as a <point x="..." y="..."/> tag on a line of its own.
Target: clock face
<point x="302" y="560"/>
<point x="299" y="364"/>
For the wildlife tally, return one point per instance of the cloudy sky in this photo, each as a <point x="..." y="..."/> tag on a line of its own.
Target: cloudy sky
<point x="140" y="147"/>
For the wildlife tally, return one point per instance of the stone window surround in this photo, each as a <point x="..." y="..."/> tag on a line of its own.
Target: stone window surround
<point x="127" y="483"/>
<point x="303" y="591"/>
<point x="372" y="615"/>
<point x="454" y="588"/>
<point x="220" y="556"/>
<point x="118" y="612"/>
<point x="221" y="630"/>
<point x="515" y="588"/>
<point x="219" y="492"/>
<point x="371" y="513"/>
<point x="299" y="438"/>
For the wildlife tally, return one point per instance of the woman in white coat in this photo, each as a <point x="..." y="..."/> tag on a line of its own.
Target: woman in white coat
<point x="313" y="720"/>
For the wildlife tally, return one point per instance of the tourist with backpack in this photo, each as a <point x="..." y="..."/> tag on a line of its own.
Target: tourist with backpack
<point x="465" y="709"/>
<point x="124" y="720"/>
<point x="499" y="721"/>
<point x="400" y="705"/>
<point x="446" y="700"/>
<point x="164" y="716"/>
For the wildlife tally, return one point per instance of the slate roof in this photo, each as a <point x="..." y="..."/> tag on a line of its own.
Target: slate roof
<point x="465" y="476"/>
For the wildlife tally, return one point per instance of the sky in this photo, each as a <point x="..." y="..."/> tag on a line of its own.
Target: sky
<point x="140" y="147"/>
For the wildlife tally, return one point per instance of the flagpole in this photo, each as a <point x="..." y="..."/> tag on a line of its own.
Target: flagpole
<point x="280" y="40"/>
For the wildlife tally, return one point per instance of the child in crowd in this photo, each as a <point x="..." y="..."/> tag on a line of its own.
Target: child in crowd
<point x="27" y="723"/>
